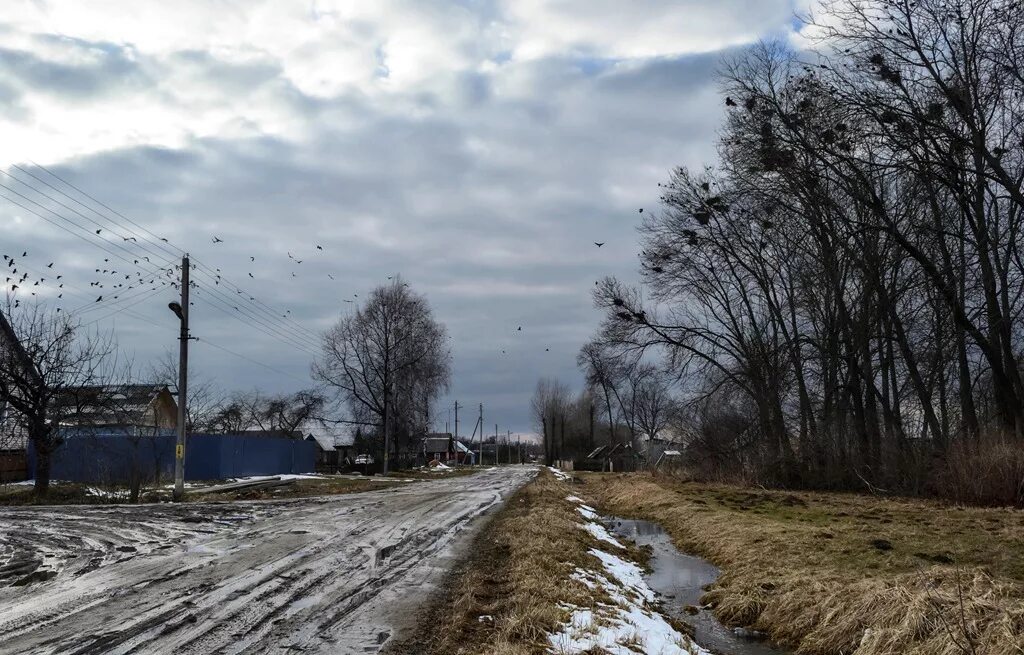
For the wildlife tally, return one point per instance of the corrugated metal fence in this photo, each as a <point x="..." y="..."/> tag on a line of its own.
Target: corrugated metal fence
<point x="98" y="458"/>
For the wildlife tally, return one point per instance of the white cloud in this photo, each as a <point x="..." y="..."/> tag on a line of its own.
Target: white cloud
<point x="476" y="148"/>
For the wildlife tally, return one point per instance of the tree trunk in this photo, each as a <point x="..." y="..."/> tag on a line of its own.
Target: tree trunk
<point x="42" y="472"/>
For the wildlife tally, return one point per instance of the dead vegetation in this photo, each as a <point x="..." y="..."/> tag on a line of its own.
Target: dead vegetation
<point x="843" y="573"/>
<point x="74" y="493"/>
<point x="505" y="598"/>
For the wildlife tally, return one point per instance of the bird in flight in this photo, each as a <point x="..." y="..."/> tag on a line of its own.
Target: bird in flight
<point x="251" y="275"/>
<point x="729" y="102"/>
<point x="330" y="276"/>
<point x="217" y="239"/>
<point x="99" y="299"/>
<point x="130" y="239"/>
<point x="319" y="247"/>
<point x="520" y="329"/>
<point x="599" y="243"/>
<point x="641" y="210"/>
<point x="98" y="231"/>
<point x="252" y="259"/>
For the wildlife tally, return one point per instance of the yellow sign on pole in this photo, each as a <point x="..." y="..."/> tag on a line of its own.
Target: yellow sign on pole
<point x="179" y="451"/>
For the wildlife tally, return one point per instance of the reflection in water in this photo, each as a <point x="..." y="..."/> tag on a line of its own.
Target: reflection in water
<point x="680" y="580"/>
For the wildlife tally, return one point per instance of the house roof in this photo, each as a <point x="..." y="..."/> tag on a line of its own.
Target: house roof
<point x="328" y="436"/>
<point x="437" y="443"/>
<point x="115" y="404"/>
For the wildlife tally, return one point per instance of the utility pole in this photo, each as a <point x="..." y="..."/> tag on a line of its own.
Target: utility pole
<point x="179" y="449"/>
<point x="508" y="447"/>
<point x="561" y="442"/>
<point x="455" y="439"/>
<point x="480" y="443"/>
<point x="495" y="444"/>
<point x="590" y="446"/>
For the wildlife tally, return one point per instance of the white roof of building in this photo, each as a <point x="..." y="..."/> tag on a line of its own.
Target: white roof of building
<point x="329" y="437"/>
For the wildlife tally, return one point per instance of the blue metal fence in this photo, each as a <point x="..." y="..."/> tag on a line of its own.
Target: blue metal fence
<point x="99" y="458"/>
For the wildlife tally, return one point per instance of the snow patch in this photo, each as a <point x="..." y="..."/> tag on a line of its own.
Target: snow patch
<point x="560" y="474"/>
<point x="626" y="627"/>
<point x="599" y="533"/>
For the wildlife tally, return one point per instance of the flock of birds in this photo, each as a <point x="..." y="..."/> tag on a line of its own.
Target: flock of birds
<point x="115" y="285"/>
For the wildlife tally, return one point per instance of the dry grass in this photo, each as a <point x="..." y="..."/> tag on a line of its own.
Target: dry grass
<point x="326" y="486"/>
<point x="517" y="574"/>
<point x="73" y="493"/>
<point x="435" y="474"/>
<point x="842" y="573"/>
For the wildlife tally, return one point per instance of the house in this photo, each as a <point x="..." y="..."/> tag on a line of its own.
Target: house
<point x="445" y="448"/>
<point x="333" y="446"/>
<point x="666" y="447"/>
<point x="121" y="409"/>
<point x="611" y="457"/>
<point x="13" y="435"/>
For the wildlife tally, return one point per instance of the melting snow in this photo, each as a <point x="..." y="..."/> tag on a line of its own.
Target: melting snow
<point x="561" y="475"/>
<point x="626" y="627"/>
<point x="600" y="533"/>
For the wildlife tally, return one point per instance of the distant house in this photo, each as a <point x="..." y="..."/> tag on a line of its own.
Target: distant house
<point x="116" y="410"/>
<point x="445" y="448"/>
<point x="666" y="447"/>
<point x="612" y="457"/>
<point x="333" y="446"/>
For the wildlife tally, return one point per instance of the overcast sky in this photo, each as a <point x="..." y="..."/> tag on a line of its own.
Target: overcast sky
<point x="477" y="148"/>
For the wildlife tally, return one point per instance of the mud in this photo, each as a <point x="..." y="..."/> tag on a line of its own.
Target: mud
<point x="338" y="574"/>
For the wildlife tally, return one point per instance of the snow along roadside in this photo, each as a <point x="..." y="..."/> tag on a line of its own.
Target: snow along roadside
<point x="629" y="625"/>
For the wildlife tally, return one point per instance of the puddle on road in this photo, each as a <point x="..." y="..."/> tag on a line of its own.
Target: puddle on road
<point x="680" y="580"/>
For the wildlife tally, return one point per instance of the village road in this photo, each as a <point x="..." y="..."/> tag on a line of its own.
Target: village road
<point x="337" y="574"/>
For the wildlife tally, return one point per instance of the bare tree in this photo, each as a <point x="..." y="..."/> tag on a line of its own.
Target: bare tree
<point x="44" y="354"/>
<point x="550" y="405"/>
<point x="204" y="397"/>
<point x="851" y="275"/>
<point x="388" y="362"/>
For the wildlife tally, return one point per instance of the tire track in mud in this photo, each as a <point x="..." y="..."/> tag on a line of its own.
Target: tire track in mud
<point x="335" y="574"/>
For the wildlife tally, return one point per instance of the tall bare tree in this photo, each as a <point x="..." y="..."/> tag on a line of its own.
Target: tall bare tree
<point x="388" y="362"/>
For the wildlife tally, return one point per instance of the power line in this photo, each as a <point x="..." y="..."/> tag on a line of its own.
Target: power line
<point x="212" y="275"/>
<point x="249" y="359"/>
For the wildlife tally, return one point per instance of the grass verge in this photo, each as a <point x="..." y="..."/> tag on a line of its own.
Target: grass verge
<point x="507" y="596"/>
<point x="840" y="573"/>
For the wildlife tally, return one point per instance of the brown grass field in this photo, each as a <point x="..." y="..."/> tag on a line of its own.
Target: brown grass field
<point x="831" y="574"/>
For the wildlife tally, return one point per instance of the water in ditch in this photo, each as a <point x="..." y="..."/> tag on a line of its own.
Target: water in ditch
<point x="680" y="580"/>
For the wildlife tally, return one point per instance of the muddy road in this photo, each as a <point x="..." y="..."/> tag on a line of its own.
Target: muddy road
<point x="336" y="574"/>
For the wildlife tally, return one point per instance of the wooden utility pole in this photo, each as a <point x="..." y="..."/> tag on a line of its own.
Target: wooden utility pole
<point x="590" y="446"/>
<point x="495" y="444"/>
<point x="561" y="441"/>
<point x="179" y="449"/>
<point x="480" y="444"/>
<point x="455" y="440"/>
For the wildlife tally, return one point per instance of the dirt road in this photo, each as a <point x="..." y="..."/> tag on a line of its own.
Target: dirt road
<point x="337" y="574"/>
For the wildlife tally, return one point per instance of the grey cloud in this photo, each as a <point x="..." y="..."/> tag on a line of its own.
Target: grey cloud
<point x="476" y="201"/>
